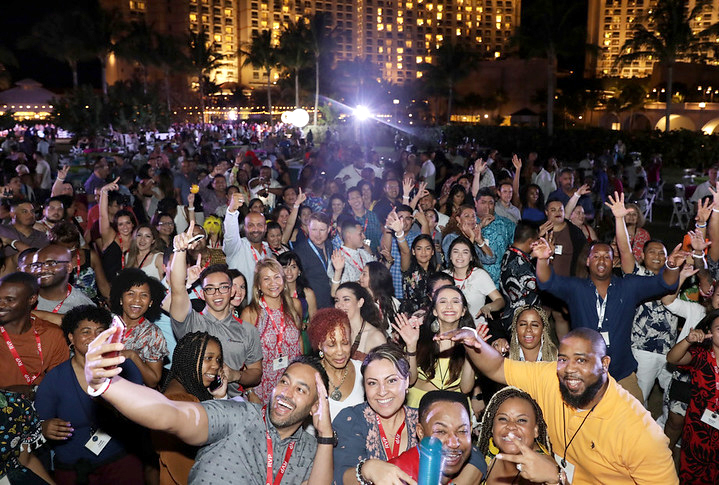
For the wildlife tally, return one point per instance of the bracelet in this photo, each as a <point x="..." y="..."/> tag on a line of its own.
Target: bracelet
<point x="60" y="180"/>
<point x="699" y="225"/>
<point x="12" y="244"/>
<point x="190" y="208"/>
<point x="405" y="197"/>
<point x="334" y="281"/>
<point x="700" y="255"/>
<point x="358" y="473"/>
<point x="670" y="268"/>
<point x="296" y="206"/>
<point x="484" y="243"/>
<point x="714" y="209"/>
<point x="99" y="391"/>
<point x="411" y="354"/>
<point x="400" y="239"/>
<point x="399" y="235"/>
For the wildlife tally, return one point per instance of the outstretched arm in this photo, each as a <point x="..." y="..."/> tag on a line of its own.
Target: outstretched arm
<point x="483" y="355"/>
<point x="146" y="407"/>
<point x="616" y="204"/>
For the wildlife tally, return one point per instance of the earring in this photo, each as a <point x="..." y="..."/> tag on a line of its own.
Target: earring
<point x="322" y="354"/>
<point x="434" y="326"/>
<point x="72" y="347"/>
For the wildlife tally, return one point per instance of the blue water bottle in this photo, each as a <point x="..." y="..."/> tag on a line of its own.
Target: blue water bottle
<point x="430" y="461"/>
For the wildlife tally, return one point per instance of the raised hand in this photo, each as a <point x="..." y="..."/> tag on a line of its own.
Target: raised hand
<point x="698" y="241"/>
<point x="517" y="162"/>
<point x="541" y="249"/>
<point x="532" y="466"/>
<point x="181" y="241"/>
<point x="677" y="257"/>
<point x="616" y="204"/>
<point x="338" y="260"/>
<point x="194" y="271"/>
<point x="408" y="330"/>
<point x="62" y="173"/>
<point x="235" y="203"/>
<point x="421" y="190"/>
<point x="393" y="222"/>
<point x="545" y="228"/>
<point x="111" y="186"/>
<point x="704" y="210"/>
<point x="586" y="190"/>
<point x="321" y="419"/>
<point x="696" y="336"/>
<point x="715" y="194"/>
<point x="466" y="336"/>
<point x="301" y="197"/>
<point x="483" y="331"/>
<point x="190" y="200"/>
<point x="407" y="186"/>
<point x="480" y="166"/>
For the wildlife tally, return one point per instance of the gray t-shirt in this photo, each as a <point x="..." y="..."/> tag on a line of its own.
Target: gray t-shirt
<point x="76" y="298"/>
<point x="240" y="340"/>
<point x="236" y="448"/>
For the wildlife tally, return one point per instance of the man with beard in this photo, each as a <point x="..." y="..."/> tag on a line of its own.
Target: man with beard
<point x="240" y="340"/>
<point x="241" y="442"/>
<point x="53" y="213"/>
<point x="606" y="303"/>
<point x="599" y="432"/>
<point x="244" y="252"/>
<point x="52" y="266"/>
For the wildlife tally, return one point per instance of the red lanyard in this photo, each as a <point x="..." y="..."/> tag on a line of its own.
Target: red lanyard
<point x="129" y="330"/>
<point x="270" y="453"/>
<point x="122" y="253"/>
<point x="78" y="262"/>
<point x="352" y="260"/>
<point x="255" y="253"/>
<point x="281" y="332"/>
<point x="463" y="280"/>
<point x="59" y="305"/>
<point x="385" y="443"/>
<point x="30" y="379"/>
<point x="520" y="253"/>
<point x="716" y="381"/>
<point x="294" y="295"/>
<point x="364" y="226"/>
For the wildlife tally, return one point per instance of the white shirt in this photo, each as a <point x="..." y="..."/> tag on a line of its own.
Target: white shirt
<point x="239" y="251"/>
<point x="355" y="261"/>
<point x="355" y="397"/>
<point x="428" y="172"/>
<point x="353" y="176"/>
<point x="476" y="287"/>
<point x="43" y="169"/>
<point x="546" y="182"/>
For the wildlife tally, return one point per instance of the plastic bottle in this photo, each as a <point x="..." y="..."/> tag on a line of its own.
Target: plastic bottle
<point x="430" y="461"/>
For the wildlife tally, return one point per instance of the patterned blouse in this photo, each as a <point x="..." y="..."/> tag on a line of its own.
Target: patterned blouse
<point x="148" y="341"/>
<point x="280" y="337"/>
<point x="20" y="429"/>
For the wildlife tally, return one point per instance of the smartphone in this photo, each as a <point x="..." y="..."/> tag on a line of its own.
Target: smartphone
<point x="194" y="239"/>
<point x="214" y="385"/>
<point x="117" y="337"/>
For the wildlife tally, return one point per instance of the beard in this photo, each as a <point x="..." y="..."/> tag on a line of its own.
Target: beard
<point x="582" y="400"/>
<point x="296" y="416"/>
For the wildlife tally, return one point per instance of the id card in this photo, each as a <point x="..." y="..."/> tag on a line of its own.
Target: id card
<point x="4" y="480"/>
<point x="568" y="468"/>
<point x="711" y="418"/>
<point x="98" y="441"/>
<point x="280" y="362"/>
<point x="558" y="249"/>
<point x="605" y="336"/>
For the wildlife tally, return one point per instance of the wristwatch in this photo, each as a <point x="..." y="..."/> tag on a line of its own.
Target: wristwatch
<point x="332" y="440"/>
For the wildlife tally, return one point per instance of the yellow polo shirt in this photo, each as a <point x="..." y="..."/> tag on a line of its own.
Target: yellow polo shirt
<point x="619" y="443"/>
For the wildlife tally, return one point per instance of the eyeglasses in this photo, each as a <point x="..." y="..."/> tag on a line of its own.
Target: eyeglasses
<point x="50" y="264"/>
<point x="211" y="290"/>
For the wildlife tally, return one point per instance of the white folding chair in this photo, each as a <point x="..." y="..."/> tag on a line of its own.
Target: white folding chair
<point x="680" y="215"/>
<point x="649" y="211"/>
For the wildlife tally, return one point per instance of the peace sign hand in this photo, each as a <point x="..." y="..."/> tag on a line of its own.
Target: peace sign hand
<point x="531" y="465"/>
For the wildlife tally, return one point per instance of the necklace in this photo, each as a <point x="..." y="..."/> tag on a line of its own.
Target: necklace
<point x="336" y="394"/>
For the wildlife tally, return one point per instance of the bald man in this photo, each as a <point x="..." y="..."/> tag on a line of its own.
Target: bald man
<point x="52" y="267"/>
<point x="244" y="252"/>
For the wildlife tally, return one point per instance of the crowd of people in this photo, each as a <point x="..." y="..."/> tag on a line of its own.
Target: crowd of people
<point x="195" y="312"/>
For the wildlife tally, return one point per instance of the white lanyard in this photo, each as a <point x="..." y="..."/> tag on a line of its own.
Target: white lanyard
<point x="601" y="309"/>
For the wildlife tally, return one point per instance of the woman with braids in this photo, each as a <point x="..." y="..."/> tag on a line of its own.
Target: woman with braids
<point x="71" y="417"/>
<point x="87" y="274"/>
<point x="137" y="298"/>
<point x="367" y="328"/>
<point x="197" y="368"/>
<point x="442" y="364"/>
<point x="277" y="316"/>
<point x="512" y="420"/>
<point x="531" y="341"/>
<point x="377" y="280"/>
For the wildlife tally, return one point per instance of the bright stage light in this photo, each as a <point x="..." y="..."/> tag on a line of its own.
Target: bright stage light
<point x="300" y="118"/>
<point x="362" y="113"/>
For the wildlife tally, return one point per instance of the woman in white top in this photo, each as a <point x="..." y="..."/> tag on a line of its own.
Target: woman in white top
<point x="475" y="283"/>
<point x="143" y="253"/>
<point x="330" y="334"/>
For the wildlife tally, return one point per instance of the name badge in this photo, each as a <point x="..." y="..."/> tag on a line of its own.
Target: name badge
<point x="280" y="362"/>
<point x="558" y="249"/>
<point x="711" y="418"/>
<point x="4" y="480"/>
<point x="98" y="441"/>
<point x="566" y="466"/>
<point x="605" y="336"/>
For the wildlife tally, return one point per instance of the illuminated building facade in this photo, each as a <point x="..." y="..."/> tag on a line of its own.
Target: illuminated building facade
<point x="397" y="35"/>
<point x="610" y="25"/>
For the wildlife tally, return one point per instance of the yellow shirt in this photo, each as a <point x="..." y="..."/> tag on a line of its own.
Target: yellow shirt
<point x="619" y="443"/>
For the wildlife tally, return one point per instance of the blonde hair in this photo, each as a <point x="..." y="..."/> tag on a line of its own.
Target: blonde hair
<point x="549" y="350"/>
<point x="285" y="296"/>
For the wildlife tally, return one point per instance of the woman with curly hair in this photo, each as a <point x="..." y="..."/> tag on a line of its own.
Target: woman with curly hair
<point x="137" y="298"/>
<point x="277" y="316"/>
<point x="329" y="334"/>
<point x="512" y="416"/>
<point x="368" y="330"/>
<point x="196" y="375"/>
<point x="531" y="341"/>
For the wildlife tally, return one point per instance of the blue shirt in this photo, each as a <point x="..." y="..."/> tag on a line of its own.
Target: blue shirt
<point x="499" y="234"/>
<point x="623" y="296"/>
<point x="396" y="268"/>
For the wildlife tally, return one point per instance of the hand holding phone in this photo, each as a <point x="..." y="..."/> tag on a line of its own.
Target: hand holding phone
<point x="117" y="337"/>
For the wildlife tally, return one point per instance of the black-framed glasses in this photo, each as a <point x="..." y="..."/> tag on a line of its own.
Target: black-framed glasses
<point x="51" y="263"/>
<point x="211" y="290"/>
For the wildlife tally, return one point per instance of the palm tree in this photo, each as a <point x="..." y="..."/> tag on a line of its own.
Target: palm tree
<point x="549" y="29"/>
<point x="320" y="35"/>
<point x="204" y="58"/>
<point x="103" y="29"/>
<point x="60" y="36"/>
<point x="666" y="34"/>
<point x="294" y="51"/>
<point x="261" y="54"/>
<point x="452" y="62"/>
